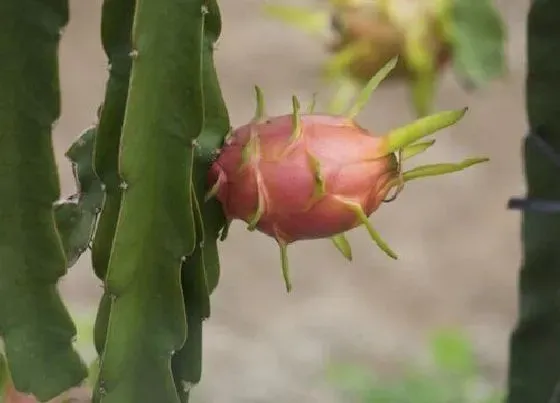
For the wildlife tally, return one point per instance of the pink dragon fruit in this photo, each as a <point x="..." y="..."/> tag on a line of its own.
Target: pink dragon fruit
<point x="309" y="176"/>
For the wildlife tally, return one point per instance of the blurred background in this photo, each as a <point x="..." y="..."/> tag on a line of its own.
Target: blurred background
<point x="459" y="247"/>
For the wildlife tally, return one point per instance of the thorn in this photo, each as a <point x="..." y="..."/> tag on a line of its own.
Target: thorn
<point x="319" y="189"/>
<point x="251" y="150"/>
<point x="204" y="9"/>
<point x="416" y="148"/>
<point x="341" y="243"/>
<point x="260" y="112"/>
<point x="195" y="143"/>
<point x="423" y="171"/>
<point x="257" y="215"/>
<point x="296" y="120"/>
<point x="133" y="53"/>
<point x="285" y="264"/>
<point x="312" y="104"/>
<point x="373" y="83"/>
<point x="406" y="135"/>
<point x="372" y="232"/>
<point x="225" y="230"/>
<point x="215" y="187"/>
<point x="123" y="185"/>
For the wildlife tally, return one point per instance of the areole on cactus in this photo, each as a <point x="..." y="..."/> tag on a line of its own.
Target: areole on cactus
<point x="308" y="175"/>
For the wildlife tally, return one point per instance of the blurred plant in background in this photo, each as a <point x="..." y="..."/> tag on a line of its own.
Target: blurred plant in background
<point x="451" y="376"/>
<point x="428" y="35"/>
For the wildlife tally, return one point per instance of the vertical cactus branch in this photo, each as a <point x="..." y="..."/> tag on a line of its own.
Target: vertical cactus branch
<point x="534" y="364"/>
<point x="116" y="35"/>
<point x="155" y="229"/>
<point x="34" y="324"/>
<point x="201" y="271"/>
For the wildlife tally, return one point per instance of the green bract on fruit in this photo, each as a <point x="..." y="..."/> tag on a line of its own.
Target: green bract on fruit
<point x="308" y="176"/>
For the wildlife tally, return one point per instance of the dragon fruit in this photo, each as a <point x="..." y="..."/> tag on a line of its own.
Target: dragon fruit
<point x="304" y="176"/>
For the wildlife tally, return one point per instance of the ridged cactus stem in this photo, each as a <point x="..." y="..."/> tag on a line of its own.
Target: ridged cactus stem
<point x="34" y="324"/>
<point x="116" y="36"/>
<point x="200" y="273"/>
<point x="155" y="232"/>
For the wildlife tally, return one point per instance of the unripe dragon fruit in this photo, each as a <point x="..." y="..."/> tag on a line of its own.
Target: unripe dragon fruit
<point x="306" y="176"/>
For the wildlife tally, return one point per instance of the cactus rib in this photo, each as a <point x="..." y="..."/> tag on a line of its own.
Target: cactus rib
<point x="34" y="323"/>
<point x="155" y="230"/>
<point x="200" y="273"/>
<point x="116" y="28"/>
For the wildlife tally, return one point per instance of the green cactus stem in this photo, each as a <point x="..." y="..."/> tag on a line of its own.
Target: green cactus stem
<point x="200" y="273"/>
<point x="34" y="324"/>
<point x="155" y="230"/>
<point x="76" y="215"/>
<point x="534" y="362"/>
<point x="116" y="29"/>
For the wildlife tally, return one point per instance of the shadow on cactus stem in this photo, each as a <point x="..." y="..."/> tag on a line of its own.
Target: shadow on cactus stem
<point x="303" y="176"/>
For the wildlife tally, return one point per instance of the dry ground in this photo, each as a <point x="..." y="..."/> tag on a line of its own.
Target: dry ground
<point x="459" y="247"/>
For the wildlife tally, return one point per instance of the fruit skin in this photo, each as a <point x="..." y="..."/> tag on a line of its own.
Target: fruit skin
<point x="384" y="39"/>
<point x="302" y="186"/>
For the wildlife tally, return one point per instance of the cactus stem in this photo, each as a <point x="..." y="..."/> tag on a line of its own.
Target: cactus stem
<point x="319" y="189"/>
<point x="296" y="121"/>
<point x="285" y="264"/>
<point x="342" y="244"/>
<point x="406" y="135"/>
<point x="416" y="148"/>
<point x="373" y="83"/>
<point x="423" y="171"/>
<point x="260" y="204"/>
<point x="312" y="104"/>
<point x="260" y="110"/>
<point x="361" y="216"/>
<point x="251" y="150"/>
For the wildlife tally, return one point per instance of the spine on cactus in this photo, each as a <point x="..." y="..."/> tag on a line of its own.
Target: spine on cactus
<point x="200" y="272"/>
<point x="155" y="231"/>
<point x="35" y="326"/>
<point x="116" y="36"/>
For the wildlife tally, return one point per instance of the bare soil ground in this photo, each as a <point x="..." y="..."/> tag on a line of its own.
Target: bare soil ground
<point x="459" y="247"/>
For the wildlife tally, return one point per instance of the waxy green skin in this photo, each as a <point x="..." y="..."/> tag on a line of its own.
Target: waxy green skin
<point x="35" y="326"/>
<point x="116" y="27"/>
<point x="311" y="175"/>
<point x="155" y="229"/>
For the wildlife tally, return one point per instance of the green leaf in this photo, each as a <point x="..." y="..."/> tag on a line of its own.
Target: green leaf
<point x="452" y="352"/>
<point x="478" y="37"/>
